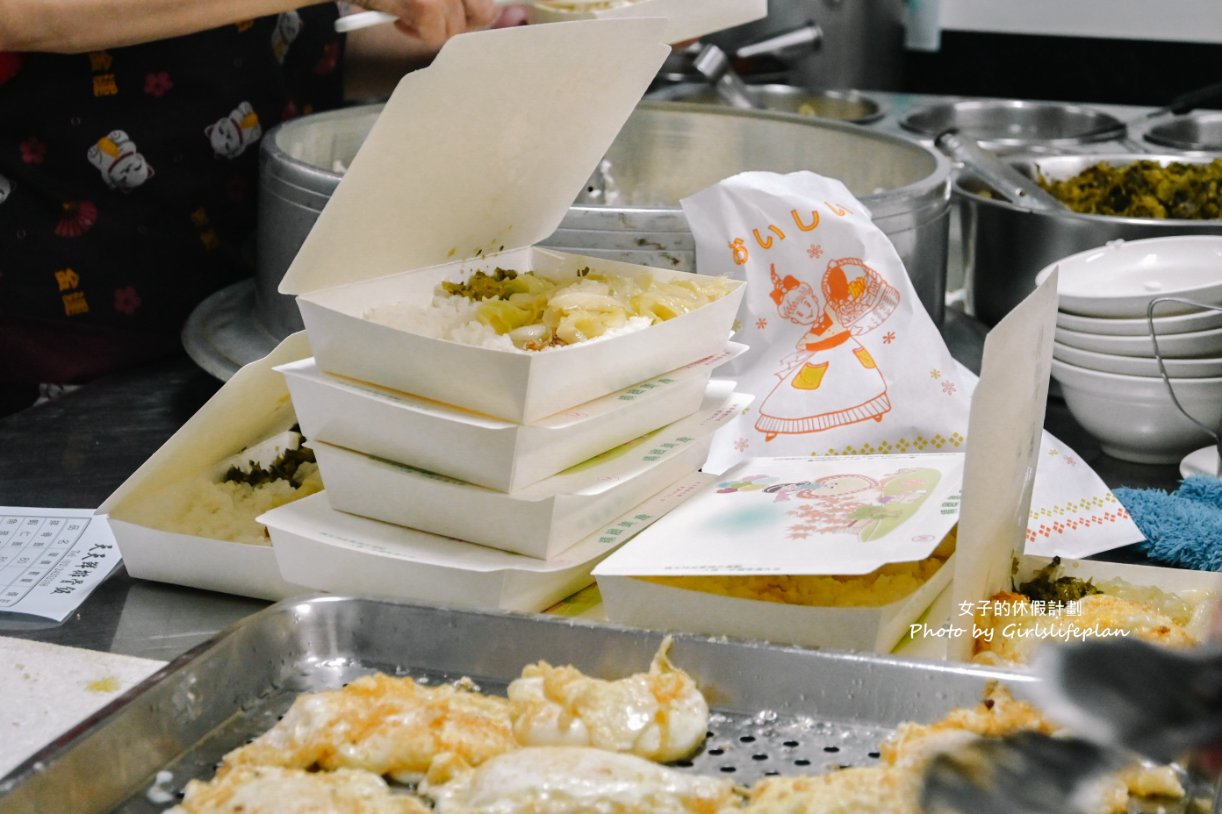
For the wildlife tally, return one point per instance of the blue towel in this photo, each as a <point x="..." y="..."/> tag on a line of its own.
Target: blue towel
<point x="1182" y="528"/>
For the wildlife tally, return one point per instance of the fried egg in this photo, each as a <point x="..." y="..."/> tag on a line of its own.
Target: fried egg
<point x="1010" y="637"/>
<point x="660" y="714"/>
<point x="276" y="790"/>
<point x="913" y="746"/>
<point x="869" y="790"/>
<point x="575" y="780"/>
<point x="999" y="713"/>
<point x="385" y="725"/>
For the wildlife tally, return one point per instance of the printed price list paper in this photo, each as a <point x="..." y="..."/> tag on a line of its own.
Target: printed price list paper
<point x="52" y="559"/>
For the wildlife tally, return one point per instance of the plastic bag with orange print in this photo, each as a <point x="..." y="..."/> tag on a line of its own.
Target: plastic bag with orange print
<point x="844" y="359"/>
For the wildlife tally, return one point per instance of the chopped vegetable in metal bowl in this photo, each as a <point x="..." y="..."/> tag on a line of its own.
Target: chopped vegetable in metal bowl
<point x="1144" y="189"/>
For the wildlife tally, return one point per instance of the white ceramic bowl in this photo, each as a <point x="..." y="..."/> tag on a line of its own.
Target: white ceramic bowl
<point x="1120" y="279"/>
<point x="1192" y="345"/>
<point x="1202" y="462"/>
<point x="1138" y="326"/>
<point x="1137" y="365"/>
<point x="1133" y="417"/>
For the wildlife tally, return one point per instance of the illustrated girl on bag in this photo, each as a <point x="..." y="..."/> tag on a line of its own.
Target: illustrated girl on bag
<point x="831" y="380"/>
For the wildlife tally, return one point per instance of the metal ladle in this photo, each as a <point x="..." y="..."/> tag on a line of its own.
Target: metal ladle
<point x="1011" y="184"/>
<point x="713" y="64"/>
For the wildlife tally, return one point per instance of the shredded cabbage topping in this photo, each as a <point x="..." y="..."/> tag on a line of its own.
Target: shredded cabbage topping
<point x="537" y="312"/>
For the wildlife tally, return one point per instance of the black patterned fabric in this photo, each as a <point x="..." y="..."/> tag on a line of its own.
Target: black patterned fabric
<point x="128" y="184"/>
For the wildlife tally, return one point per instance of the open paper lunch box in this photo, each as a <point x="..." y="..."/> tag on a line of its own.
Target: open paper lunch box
<point x="760" y="519"/>
<point x="253" y="405"/>
<point x="490" y="175"/>
<point x="541" y="520"/>
<point x="484" y="451"/>
<point x="774" y="709"/>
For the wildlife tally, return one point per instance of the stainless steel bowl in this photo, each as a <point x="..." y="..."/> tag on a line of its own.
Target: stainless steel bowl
<point x="1195" y="132"/>
<point x="1006" y="246"/>
<point x="841" y="105"/>
<point x="1006" y="124"/>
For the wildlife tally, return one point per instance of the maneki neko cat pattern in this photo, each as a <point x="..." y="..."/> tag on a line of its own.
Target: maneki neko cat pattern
<point x="129" y="175"/>
<point x="843" y="358"/>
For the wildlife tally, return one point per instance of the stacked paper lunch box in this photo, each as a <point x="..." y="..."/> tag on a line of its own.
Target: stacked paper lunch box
<point x="457" y="448"/>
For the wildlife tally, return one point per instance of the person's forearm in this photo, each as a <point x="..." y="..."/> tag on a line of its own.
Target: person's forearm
<point x="76" y="26"/>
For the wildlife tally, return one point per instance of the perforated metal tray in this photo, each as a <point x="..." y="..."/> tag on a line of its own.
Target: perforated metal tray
<point x="776" y="710"/>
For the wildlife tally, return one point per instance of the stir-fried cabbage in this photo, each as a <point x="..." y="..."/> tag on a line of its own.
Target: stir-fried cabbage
<point x="536" y="312"/>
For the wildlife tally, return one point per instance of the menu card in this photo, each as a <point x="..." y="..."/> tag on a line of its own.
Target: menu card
<point x="50" y="561"/>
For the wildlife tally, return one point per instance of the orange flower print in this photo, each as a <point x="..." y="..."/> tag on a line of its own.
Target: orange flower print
<point x="329" y="60"/>
<point x="158" y="84"/>
<point x="10" y="64"/>
<point x="77" y="219"/>
<point x="33" y="151"/>
<point x="127" y="301"/>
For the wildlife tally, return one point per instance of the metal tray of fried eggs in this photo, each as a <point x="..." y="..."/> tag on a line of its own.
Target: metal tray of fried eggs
<point x="774" y="710"/>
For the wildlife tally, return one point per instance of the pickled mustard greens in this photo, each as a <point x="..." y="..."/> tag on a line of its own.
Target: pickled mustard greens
<point x="1143" y="189"/>
<point x="1047" y="586"/>
<point x="537" y="312"/>
<point x="284" y="468"/>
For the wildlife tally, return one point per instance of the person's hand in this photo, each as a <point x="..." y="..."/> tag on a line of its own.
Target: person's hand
<point x="435" y="21"/>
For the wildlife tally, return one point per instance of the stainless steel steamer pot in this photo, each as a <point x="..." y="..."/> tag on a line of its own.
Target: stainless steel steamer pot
<point x="1006" y="246"/>
<point x="665" y="151"/>
<point x="301" y="162"/>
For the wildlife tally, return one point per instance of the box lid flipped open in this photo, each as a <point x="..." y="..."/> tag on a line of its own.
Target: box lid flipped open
<point x="484" y="150"/>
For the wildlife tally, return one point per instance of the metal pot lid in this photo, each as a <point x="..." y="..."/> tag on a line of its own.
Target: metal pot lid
<point x="1016" y="123"/>
<point x="1196" y="132"/>
<point x="224" y="333"/>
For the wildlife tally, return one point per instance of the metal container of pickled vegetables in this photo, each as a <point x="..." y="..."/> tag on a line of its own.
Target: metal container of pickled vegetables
<point x="1006" y="245"/>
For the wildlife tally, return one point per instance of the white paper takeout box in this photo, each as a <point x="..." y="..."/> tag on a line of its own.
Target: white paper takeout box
<point x="471" y="162"/>
<point x="541" y="520"/>
<point x="784" y="516"/>
<point x="632" y="601"/>
<point x="952" y="618"/>
<point x="485" y="451"/>
<point x="341" y="553"/>
<point x="251" y="406"/>
<point x="686" y="19"/>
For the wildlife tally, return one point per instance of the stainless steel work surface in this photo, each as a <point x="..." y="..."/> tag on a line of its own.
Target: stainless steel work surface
<point x="776" y="710"/>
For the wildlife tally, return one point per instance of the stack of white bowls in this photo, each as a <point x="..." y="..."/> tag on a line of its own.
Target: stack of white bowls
<point x="1104" y="355"/>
